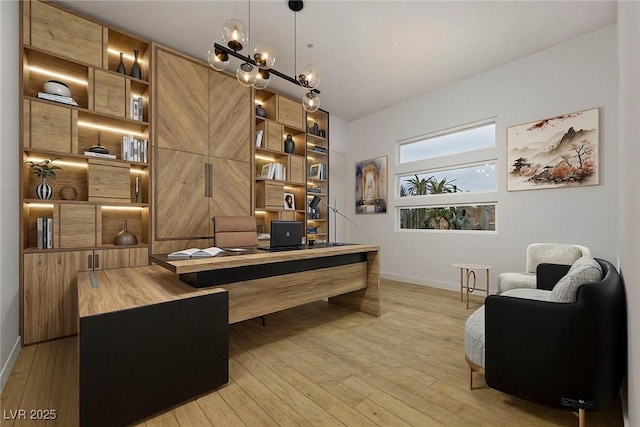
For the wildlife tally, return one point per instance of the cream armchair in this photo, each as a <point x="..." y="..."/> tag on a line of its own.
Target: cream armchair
<point x="538" y="253"/>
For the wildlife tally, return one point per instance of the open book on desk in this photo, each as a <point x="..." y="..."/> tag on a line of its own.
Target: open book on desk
<point x="197" y="253"/>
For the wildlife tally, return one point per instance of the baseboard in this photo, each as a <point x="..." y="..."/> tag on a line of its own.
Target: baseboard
<point x="422" y="282"/>
<point x="8" y="366"/>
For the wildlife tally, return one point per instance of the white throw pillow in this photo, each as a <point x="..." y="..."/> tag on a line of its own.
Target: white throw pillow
<point x="584" y="270"/>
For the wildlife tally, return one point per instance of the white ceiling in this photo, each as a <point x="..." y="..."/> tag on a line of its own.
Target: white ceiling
<point x="371" y="54"/>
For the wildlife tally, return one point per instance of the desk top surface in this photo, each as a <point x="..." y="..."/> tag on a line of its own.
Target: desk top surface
<point x="125" y="288"/>
<point x="255" y="257"/>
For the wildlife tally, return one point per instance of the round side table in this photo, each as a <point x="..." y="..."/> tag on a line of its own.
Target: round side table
<point x="467" y="273"/>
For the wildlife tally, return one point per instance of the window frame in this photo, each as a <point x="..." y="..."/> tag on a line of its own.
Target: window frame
<point x="437" y="164"/>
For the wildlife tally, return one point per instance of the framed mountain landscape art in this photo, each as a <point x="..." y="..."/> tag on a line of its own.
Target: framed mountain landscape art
<point x="557" y="152"/>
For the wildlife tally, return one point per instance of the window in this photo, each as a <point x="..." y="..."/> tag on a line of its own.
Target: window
<point x="447" y="180"/>
<point x="452" y="142"/>
<point x="470" y="179"/>
<point x="459" y="217"/>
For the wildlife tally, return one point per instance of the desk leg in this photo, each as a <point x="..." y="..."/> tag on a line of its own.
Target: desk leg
<point x="461" y="286"/>
<point x="366" y="300"/>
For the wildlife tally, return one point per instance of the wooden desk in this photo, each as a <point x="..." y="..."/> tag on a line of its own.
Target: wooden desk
<point x="147" y="342"/>
<point x="260" y="282"/>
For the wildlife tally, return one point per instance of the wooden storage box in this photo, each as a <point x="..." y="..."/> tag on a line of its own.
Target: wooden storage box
<point x="290" y="113"/>
<point x="269" y="195"/>
<point x="110" y="93"/>
<point x="109" y="181"/>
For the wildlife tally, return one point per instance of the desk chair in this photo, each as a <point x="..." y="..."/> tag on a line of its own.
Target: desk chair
<point x="236" y="232"/>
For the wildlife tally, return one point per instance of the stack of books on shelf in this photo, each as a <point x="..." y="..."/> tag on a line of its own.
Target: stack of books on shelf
<point x="134" y="149"/>
<point x="315" y="190"/>
<point x="312" y="230"/>
<point x="274" y="171"/>
<point x="44" y="226"/>
<point x="57" y="98"/>
<point x="136" y="104"/>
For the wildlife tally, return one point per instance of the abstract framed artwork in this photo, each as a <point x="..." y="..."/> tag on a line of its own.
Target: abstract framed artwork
<point x="557" y="152"/>
<point x="371" y="186"/>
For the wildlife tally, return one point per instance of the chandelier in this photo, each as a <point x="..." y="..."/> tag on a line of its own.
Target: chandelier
<point x="256" y="69"/>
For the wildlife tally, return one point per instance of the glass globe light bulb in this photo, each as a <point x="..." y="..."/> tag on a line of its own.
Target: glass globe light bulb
<point x="310" y="102"/>
<point x="262" y="80"/>
<point x="218" y="59"/>
<point x="264" y="55"/>
<point x="246" y="74"/>
<point x="234" y="33"/>
<point x="309" y="77"/>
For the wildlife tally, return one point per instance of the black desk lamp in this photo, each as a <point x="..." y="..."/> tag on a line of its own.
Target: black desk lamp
<point x="314" y="203"/>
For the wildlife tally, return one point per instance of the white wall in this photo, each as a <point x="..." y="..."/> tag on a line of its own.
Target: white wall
<point x="338" y="172"/>
<point x="577" y="75"/>
<point x="629" y="212"/>
<point x="9" y="173"/>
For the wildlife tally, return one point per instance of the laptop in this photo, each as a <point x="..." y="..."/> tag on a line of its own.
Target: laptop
<point x="285" y="235"/>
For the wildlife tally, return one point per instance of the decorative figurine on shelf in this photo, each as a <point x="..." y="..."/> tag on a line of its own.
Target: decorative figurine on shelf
<point x="98" y="148"/>
<point x="261" y="112"/>
<point x="44" y="170"/>
<point x="289" y="144"/>
<point x="68" y="192"/>
<point x="136" y="71"/>
<point x="121" y="68"/>
<point x="125" y="237"/>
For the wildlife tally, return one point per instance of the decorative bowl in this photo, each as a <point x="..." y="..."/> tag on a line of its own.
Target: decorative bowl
<point x="57" y="88"/>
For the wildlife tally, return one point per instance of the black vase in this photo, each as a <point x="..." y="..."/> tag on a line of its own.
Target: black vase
<point x="289" y="144"/>
<point x="136" y="72"/>
<point x="261" y="112"/>
<point x="121" y="68"/>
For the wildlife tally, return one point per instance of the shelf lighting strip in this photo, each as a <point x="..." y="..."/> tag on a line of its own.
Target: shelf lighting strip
<point x="271" y="159"/>
<point x="122" y="208"/>
<point x="59" y="162"/>
<point x="64" y="77"/>
<point x="41" y="205"/>
<point x="109" y="128"/>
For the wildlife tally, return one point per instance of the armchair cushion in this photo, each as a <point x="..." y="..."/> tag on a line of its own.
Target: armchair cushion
<point x="584" y="270"/>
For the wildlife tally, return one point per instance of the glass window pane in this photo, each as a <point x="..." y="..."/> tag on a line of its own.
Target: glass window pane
<point x="468" y="217"/>
<point x="469" y="179"/>
<point x="452" y="143"/>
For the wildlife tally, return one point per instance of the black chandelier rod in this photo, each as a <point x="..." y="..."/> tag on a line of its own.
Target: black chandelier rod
<point x="252" y="62"/>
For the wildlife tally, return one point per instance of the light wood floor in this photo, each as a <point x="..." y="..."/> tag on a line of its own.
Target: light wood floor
<point x="320" y="365"/>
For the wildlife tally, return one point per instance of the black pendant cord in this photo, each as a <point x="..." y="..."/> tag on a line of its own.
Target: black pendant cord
<point x="252" y="62"/>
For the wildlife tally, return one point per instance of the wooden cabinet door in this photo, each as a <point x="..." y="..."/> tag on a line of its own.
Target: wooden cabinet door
<point x="229" y="118"/>
<point x="231" y="187"/>
<point x="182" y="208"/>
<point x="51" y="127"/>
<point x="109" y="93"/>
<point x="50" y="295"/>
<point x="290" y="113"/>
<point x="65" y="34"/>
<point x="109" y="181"/>
<point x="104" y="259"/>
<point x="182" y="104"/>
<point x="77" y="226"/>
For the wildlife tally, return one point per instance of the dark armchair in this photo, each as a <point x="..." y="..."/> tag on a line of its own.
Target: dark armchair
<point x="559" y="354"/>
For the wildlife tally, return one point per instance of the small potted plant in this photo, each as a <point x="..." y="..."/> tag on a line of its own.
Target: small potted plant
<point x="44" y="169"/>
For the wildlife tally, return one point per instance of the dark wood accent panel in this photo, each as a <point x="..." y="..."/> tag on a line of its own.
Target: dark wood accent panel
<point x="136" y="362"/>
